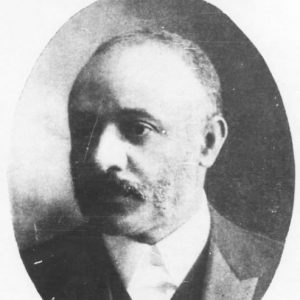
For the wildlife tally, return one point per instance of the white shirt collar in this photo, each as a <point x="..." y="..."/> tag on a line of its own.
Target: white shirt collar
<point x="179" y="250"/>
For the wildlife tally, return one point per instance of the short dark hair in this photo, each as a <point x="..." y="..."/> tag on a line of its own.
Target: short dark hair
<point x="192" y="54"/>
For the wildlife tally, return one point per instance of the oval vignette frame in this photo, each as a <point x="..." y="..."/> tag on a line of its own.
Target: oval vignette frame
<point x="251" y="184"/>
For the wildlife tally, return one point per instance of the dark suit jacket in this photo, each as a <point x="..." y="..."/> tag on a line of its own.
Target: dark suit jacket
<point x="236" y="265"/>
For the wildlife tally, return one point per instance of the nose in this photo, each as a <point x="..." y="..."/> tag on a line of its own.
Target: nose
<point x="110" y="153"/>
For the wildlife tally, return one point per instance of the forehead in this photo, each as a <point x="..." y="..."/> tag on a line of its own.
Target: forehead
<point x="152" y="77"/>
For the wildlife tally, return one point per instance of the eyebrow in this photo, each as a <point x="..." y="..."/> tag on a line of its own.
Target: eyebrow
<point x="122" y="114"/>
<point x="136" y="112"/>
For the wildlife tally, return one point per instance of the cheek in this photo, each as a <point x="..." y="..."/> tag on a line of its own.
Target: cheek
<point x="164" y="158"/>
<point x="181" y="166"/>
<point x="152" y="165"/>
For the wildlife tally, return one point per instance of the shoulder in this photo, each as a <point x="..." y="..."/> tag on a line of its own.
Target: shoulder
<point x="68" y="245"/>
<point x="72" y="256"/>
<point x="243" y="243"/>
<point x="256" y="250"/>
<point x="248" y="254"/>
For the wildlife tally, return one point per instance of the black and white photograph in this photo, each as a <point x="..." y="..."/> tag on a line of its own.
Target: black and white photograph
<point x="150" y="150"/>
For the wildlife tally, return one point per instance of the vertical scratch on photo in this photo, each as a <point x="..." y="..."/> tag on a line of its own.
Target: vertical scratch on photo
<point x="36" y="234"/>
<point x="90" y="139"/>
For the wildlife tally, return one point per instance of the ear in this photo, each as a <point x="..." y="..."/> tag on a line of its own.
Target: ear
<point x="215" y="134"/>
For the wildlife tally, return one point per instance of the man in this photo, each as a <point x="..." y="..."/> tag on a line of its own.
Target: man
<point x="146" y="123"/>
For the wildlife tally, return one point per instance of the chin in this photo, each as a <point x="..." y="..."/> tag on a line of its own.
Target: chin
<point x="129" y="225"/>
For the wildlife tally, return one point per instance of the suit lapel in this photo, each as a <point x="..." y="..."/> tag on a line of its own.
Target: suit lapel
<point x="212" y="278"/>
<point x="221" y="271"/>
<point x="221" y="281"/>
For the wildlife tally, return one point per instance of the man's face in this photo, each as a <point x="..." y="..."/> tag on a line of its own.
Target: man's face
<point x="136" y="124"/>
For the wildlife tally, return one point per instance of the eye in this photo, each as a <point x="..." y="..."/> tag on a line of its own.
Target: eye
<point x="137" y="129"/>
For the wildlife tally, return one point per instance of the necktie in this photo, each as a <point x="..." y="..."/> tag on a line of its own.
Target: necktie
<point x="151" y="280"/>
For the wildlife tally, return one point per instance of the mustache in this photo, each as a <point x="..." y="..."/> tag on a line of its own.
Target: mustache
<point x="110" y="185"/>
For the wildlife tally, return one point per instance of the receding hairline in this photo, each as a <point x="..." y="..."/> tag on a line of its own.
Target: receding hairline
<point x="192" y="54"/>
